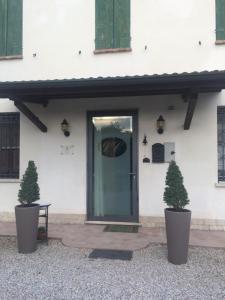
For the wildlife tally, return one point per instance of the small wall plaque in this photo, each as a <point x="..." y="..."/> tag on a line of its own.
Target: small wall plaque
<point x="158" y="153"/>
<point x="67" y="150"/>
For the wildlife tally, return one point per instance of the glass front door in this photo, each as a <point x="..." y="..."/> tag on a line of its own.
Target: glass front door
<point x="112" y="167"/>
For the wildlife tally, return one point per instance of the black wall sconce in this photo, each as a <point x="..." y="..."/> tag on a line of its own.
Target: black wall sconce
<point x="160" y="124"/>
<point x="65" y="128"/>
<point x="145" y="141"/>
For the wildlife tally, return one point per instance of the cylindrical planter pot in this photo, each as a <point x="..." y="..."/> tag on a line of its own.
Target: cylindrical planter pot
<point x="177" y="233"/>
<point x="27" y="227"/>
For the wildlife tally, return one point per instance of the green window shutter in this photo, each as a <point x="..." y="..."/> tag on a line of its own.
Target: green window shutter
<point x="104" y="24"/>
<point x="14" y="27"/>
<point x="3" y="24"/>
<point x="121" y="23"/>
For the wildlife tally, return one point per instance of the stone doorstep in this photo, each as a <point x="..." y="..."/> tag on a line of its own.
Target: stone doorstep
<point x="93" y="237"/>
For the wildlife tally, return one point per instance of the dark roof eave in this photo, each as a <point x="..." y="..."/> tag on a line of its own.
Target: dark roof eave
<point x="110" y="86"/>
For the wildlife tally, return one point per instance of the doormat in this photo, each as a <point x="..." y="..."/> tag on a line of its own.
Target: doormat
<point x="111" y="254"/>
<point x="121" y="228"/>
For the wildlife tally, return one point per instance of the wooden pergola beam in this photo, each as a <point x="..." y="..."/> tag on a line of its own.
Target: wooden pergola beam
<point x="192" y="101"/>
<point x="30" y="115"/>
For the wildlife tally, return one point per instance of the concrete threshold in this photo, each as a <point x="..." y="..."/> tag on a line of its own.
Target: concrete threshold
<point x="112" y="223"/>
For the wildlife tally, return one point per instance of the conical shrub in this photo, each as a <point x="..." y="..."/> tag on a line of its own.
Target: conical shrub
<point x="175" y="194"/>
<point x="29" y="190"/>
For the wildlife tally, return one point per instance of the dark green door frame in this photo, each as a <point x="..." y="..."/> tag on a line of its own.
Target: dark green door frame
<point x="90" y="167"/>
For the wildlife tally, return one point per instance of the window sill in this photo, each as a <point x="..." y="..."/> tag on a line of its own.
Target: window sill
<point x="220" y="184"/>
<point x="8" y="180"/>
<point x="114" y="50"/>
<point x="11" y="57"/>
<point x="220" y="42"/>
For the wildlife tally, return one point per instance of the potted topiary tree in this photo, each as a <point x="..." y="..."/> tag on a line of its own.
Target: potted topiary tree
<point x="177" y="218"/>
<point x="27" y="212"/>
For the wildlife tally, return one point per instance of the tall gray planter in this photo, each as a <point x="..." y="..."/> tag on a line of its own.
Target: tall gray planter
<point x="177" y="233"/>
<point x="27" y="227"/>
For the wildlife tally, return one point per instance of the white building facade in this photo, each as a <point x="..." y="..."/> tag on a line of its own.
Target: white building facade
<point x="98" y="173"/>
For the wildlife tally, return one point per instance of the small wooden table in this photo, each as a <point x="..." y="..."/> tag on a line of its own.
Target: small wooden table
<point x="43" y="213"/>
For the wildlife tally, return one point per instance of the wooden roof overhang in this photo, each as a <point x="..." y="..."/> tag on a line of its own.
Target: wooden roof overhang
<point x="189" y="85"/>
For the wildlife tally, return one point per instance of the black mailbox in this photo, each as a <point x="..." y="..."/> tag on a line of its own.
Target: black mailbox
<point x="158" y="153"/>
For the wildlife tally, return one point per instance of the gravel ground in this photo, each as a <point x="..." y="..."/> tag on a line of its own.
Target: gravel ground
<point x="58" y="272"/>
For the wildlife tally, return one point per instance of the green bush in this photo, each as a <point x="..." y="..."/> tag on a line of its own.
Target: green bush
<point x="29" y="189"/>
<point x="175" y="194"/>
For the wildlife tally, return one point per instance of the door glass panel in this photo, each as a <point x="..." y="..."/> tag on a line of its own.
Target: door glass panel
<point x="112" y="166"/>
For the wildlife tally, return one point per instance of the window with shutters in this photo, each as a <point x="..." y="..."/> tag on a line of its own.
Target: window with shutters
<point x="220" y="21"/>
<point x="112" y="30"/>
<point x="9" y="145"/>
<point x="11" y="28"/>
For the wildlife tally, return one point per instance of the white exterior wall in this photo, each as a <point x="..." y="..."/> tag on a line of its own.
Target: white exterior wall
<point x="62" y="178"/>
<point x="56" y="31"/>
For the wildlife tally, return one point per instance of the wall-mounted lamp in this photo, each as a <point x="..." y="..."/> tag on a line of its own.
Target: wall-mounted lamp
<point x="160" y="124"/>
<point x="65" y="128"/>
<point x="145" y="142"/>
